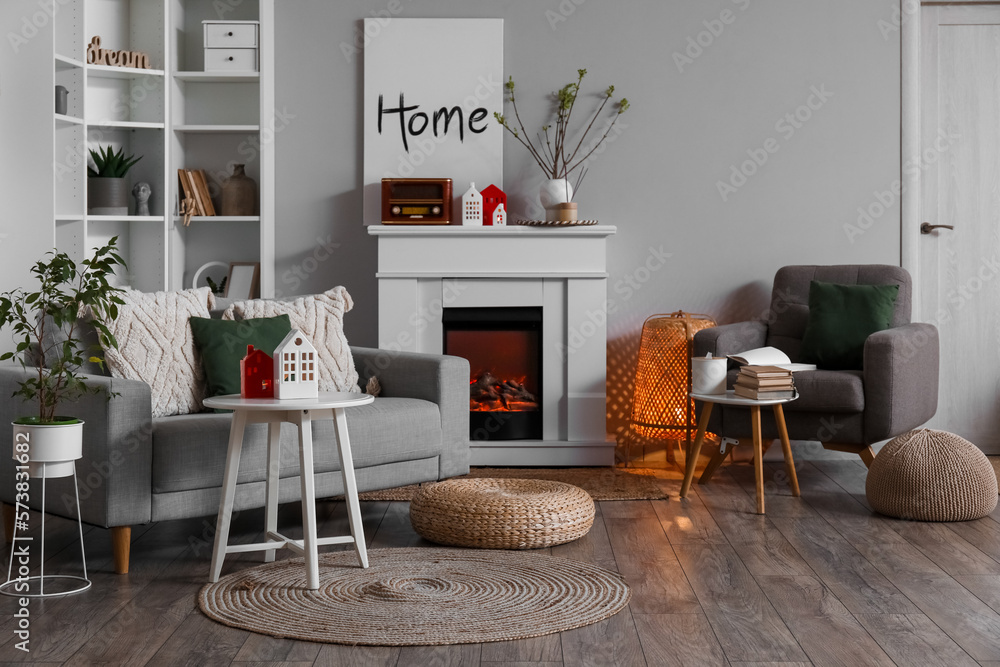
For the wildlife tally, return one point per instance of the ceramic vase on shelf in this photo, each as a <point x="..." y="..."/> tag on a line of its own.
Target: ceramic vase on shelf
<point x="107" y="196"/>
<point x="556" y="195"/>
<point x="239" y="194"/>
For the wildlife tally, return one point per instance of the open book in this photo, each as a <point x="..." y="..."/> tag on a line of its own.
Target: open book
<point x="769" y="356"/>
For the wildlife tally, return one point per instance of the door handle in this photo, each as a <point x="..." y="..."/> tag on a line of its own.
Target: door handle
<point x="927" y="228"/>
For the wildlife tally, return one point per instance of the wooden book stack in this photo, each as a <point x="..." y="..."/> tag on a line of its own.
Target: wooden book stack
<point x="763" y="382"/>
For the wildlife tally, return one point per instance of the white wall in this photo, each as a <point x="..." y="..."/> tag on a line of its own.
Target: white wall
<point x="26" y="231"/>
<point x="657" y="181"/>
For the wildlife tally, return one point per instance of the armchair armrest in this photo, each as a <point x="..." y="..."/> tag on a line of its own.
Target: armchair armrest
<point x="901" y="379"/>
<point x="730" y="339"/>
<point x="437" y="378"/>
<point x="115" y="473"/>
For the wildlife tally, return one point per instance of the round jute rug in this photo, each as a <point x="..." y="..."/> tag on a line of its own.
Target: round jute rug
<point x="417" y="596"/>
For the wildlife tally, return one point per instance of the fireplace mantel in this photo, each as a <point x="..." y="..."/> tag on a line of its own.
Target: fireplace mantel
<point x="563" y="270"/>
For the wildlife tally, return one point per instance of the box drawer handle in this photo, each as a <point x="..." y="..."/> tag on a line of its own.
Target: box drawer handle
<point x="229" y="34"/>
<point x="230" y="58"/>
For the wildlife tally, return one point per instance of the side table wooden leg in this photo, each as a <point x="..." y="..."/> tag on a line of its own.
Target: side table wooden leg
<point x="786" y="448"/>
<point x="271" y="484"/>
<point x="228" y="492"/>
<point x="694" y="451"/>
<point x="308" y="500"/>
<point x="350" y="484"/>
<point x="758" y="457"/>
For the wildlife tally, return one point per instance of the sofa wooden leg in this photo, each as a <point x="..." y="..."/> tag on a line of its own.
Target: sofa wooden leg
<point x="121" y="541"/>
<point x="867" y="455"/>
<point x="9" y="512"/>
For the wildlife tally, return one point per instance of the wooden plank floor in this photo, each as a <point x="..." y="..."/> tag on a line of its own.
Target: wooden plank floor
<point x="819" y="580"/>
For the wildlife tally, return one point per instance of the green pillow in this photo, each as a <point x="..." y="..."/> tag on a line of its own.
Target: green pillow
<point x="222" y="344"/>
<point x="841" y="317"/>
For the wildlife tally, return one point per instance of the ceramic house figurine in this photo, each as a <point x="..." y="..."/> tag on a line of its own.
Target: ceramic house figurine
<point x="499" y="216"/>
<point x="295" y="372"/>
<point x="492" y="198"/>
<point x="256" y="374"/>
<point x="472" y="206"/>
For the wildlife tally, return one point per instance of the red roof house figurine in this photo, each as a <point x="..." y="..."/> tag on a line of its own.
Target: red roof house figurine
<point x="492" y="197"/>
<point x="256" y="374"/>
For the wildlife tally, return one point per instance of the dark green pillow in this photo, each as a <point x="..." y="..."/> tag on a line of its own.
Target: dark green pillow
<point x="841" y="317"/>
<point x="223" y="343"/>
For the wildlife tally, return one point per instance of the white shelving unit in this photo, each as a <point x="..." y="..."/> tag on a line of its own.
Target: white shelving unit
<point x="175" y="116"/>
<point x="215" y="122"/>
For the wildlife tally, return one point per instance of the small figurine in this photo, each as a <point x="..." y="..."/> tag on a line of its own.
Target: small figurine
<point x="141" y="192"/>
<point x="492" y="197"/>
<point x="256" y="374"/>
<point x="472" y="206"/>
<point x="499" y="216"/>
<point x="295" y="372"/>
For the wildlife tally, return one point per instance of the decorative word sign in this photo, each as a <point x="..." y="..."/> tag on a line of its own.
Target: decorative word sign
<point x="98" y="56"/>
<point x="431" y="88"/>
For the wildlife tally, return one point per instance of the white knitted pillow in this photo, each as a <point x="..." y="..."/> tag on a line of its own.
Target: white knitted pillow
<point x="321" y="319"/>
<point x="155" y="345"/>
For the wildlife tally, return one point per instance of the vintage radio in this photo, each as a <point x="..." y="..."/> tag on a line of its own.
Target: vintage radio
<point x="416" y="201"/>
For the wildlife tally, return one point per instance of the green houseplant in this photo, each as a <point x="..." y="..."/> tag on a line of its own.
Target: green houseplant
<point x="64" y="295"/>
<point x="557" y="151"/>
<point x="107" y="189"/>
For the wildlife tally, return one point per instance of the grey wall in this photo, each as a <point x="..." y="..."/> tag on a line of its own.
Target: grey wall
<point x="658" y="180"/>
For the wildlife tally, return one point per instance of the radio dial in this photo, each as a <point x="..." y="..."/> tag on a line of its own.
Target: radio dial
<point x="436" y="210"/>
<point x="396" y="210"/>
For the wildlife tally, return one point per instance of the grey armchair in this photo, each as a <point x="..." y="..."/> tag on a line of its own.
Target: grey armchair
<point x="844" y="410"/>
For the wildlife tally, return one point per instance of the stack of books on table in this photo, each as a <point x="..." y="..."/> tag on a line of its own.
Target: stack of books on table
<point x="764" y="382"/>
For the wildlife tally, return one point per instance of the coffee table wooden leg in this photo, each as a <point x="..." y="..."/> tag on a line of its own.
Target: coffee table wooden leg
<point x="694" y="451"/>
<point x="308" y="500"/>
<point x="228" y="492"/>
<point x="758" y="457"/>
<point x="271" y="484"/>
<point x="350" y="485"/>
<point x="786" y="448"/>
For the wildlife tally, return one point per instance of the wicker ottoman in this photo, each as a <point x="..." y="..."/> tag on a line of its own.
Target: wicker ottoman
<point x="501" y="513"/>
<point x="931" y="475"/>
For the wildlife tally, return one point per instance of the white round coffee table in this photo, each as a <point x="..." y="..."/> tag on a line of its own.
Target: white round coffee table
<point x="301" y="412"/>
<point x="730" y="398"/>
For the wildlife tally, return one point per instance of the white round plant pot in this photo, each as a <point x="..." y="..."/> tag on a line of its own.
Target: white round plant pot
<point x="56" y="446"/>
<point x="555" y="191"/>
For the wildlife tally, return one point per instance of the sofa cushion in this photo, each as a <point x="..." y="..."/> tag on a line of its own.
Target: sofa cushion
<point x="189" y="451"/>
<point x="321" y="319"/>
<point x="222" y="344"/>
<point x="841" y="317"/>
<point x="823" y="391"/>
<point x="155" y="345"/>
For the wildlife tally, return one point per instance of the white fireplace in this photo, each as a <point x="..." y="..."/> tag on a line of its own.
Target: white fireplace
<point x="560" y="272"/>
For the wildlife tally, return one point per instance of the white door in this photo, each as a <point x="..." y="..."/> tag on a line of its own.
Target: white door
<point x="959" y="269"/>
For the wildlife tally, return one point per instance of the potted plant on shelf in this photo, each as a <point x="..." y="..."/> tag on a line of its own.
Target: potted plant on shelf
<point x="107" y="190"/>
<point x="558" y="153"/>
<point x="66" y="293"/>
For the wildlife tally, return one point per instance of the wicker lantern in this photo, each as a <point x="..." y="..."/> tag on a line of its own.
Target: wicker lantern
<point x="661" y="408"/>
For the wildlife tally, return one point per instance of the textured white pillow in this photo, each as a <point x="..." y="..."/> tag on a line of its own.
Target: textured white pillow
<point x="321" y="319"/>
<point x="155" y="345"/>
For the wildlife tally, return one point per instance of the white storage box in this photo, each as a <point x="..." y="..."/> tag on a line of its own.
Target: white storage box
<point x="231" y="46"/>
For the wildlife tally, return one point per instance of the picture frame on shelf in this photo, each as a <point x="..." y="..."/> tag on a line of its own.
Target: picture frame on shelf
<point x="243" y="281"/>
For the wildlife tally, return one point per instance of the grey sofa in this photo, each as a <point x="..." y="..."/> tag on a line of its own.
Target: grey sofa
<point x="845" y="410"/>
<point x="137" y="469"/>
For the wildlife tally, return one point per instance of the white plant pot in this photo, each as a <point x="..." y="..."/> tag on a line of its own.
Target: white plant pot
<point x="555" y="191"/>
<point x="57" y="446"/>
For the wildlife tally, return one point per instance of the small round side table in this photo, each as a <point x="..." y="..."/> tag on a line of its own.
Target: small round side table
<point x="730" y="398"/>
<point x="49" y="458"/>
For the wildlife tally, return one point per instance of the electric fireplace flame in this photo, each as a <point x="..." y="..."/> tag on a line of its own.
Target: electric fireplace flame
<point x="488" y="393"/>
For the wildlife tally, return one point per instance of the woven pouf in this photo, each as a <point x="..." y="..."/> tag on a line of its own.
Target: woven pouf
<point x="930" y="475"/>
<point x="494" y="513"/>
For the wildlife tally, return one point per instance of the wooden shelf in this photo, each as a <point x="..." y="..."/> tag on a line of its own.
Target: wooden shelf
<point x="65" y="62"/>
<point x="221" y="218"/>
<point x="62" y="119"/>
<point x="218" y="77"/>
<point x="219" y="129"/>
<point x="69" y="217"/>
<point x="109" y="72"/>
<point x="125" y="124"/>
<point x="125" y="218"/>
